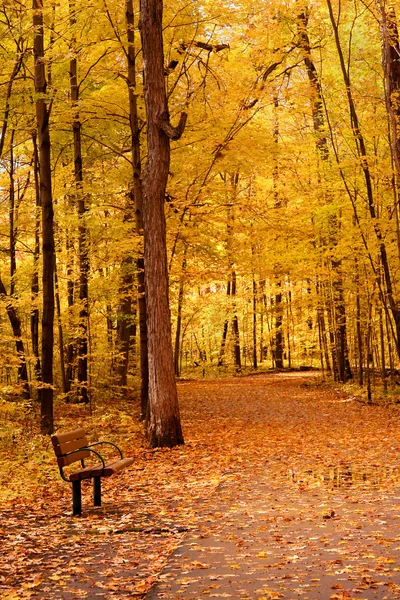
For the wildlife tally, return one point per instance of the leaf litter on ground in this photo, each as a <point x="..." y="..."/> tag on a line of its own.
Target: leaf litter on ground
<point x="318" y="458"/>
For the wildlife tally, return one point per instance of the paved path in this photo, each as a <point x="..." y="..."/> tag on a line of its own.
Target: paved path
<point x="258" y="544"/>
<point x="311" y="531"/>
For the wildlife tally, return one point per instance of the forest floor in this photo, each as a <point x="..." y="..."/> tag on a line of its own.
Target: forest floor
<point x="285" y="488"/>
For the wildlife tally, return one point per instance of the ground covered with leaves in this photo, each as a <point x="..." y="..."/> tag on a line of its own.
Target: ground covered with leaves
<point x="285" y="488"/>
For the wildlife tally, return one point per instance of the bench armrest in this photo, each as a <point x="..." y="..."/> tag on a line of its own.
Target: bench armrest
<point x="80" y="450"/>
<point x="110" y="443"/>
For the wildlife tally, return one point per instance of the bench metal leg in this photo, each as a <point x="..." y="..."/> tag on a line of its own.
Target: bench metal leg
<point x="76" y="498"/>
<point x="97" y="491"/>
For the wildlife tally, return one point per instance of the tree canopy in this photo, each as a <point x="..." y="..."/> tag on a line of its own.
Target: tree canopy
<point x="280" y="194"/>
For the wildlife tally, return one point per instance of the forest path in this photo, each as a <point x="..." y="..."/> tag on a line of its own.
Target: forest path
<point x="311" y="506"/>
<point x="284" y="488"/>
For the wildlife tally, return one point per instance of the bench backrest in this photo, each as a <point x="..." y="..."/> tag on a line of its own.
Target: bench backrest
<point x="69" y="442"/>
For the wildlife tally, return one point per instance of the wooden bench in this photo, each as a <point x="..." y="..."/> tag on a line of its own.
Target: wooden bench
<point x="71" y="447"/>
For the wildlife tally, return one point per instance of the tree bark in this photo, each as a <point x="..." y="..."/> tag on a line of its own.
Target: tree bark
<point x="391" y="70"/>
<point x="235" y="326"/>
<point x="13" y="227"/>
<point x="255" y="365"/>
<point x="225" y="330"/>
<point x="137" y="196"/>
<point x="42" y="121"/>
<point x="164" y="424"/>
<point x="35" y="273"/>
<point x="83" y="245"/>
<point x="278" y="339"/>
<point x="179" y="317"/>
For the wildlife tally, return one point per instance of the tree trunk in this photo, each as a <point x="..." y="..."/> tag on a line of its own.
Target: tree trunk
<point x="60" y="332"/>
<point x="164" y="425"/>
<point x="278" y="341"/>
<point x="235" y="327"/>
<point x="13" y="229"/>
<point x="278" y="335"/>
<point x="125" y="316"/>
<point x="224" y="332"/>
<point x="255" y="365"/>
<point x="42" y="121"/>
<point x="36" y="258"/>
<point x="82" y="341"/>
<point x="358" y="326"/>
<point x="179" y="317"/>
<point x="138" y="202"/>
<point x="391" y="70"/>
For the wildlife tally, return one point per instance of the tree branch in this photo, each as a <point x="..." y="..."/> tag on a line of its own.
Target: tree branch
<point x="174" y="133"/>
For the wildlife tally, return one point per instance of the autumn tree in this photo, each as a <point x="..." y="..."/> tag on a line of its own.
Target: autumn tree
<point x="42" y="121"/>
<point x="164" y="423"/>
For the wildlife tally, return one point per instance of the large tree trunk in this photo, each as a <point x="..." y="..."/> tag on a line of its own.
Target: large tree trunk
<point x="42" y="121"/>
<point x="164" y="425"/>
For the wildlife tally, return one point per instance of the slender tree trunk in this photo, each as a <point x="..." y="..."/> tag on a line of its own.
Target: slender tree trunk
<point x="71" y="301"/>
<point x="235" y="326"/>
<point x="13" y="229"/>
<point x="42" y="121"/>
<point x="36" y="258"/>
<point x="278" y="336"/>
<point x="390" y="350"/>
<point x="278" y="343"/>
<point x="82" y="341"/>
<point x="382" y="343"/>
<point x="358" y="326"/>
<point x="391" y="70"/>
<point x="255" y="365"/>
<point x="322" y="328"/>
<point x="164" y="424"/>
<point x="138" y="201"/>
<point x="60" y="331"/>
<point x="179" y="317"/>
<point x="344" y="370"/>
<point x="125" y="313"/>
<point x="225" y="331"/>
<point x="289" y="344"/>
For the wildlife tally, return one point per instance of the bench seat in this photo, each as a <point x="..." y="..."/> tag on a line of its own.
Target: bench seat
<point x="112" y="466"/>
